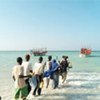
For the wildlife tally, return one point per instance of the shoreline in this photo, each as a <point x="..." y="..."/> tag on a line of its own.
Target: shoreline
<point x="78" y="86"/>
<point x="65" y="93"/>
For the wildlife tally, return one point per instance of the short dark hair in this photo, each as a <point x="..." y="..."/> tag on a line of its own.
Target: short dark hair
<point x="54" y="60"/>
<point x="66" y="57"/>
<point x="19" y="60"/>
<point x="63" y="56"/>
<point x="27" y="57"/>
<point x="40" y="59"/>
<point x="49" y="58"/>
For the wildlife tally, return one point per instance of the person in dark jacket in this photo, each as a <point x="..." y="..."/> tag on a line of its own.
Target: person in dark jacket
<point x="64" y="67"/>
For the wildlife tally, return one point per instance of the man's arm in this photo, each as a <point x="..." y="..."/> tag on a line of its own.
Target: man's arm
<point x="30" y="68"/>
<point x="13" y="78"/>
<point x="22" y="76"/>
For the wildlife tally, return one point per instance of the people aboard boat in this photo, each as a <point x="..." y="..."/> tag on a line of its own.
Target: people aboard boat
<point x="39" y="51"/>
<point x="85" y="52"/>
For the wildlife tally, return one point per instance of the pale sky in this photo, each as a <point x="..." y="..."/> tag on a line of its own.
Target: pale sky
<point x="54" y="24"/>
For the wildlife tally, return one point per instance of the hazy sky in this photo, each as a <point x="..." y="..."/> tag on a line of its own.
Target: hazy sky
<point x="55" y="24"/>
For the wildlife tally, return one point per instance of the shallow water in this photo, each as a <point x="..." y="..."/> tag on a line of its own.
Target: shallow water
<point x="83" y="81"/>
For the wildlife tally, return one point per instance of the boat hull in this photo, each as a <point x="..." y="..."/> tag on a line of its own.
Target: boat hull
<point x="38" y="53"/>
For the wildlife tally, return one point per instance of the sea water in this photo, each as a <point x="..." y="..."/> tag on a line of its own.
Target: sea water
<point x="83" y="79"/>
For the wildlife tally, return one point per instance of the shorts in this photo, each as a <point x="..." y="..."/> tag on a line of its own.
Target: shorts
<point x="21" y="92"/>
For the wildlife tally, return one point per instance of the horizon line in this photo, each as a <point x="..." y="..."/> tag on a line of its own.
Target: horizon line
<point x="47" y="50"/>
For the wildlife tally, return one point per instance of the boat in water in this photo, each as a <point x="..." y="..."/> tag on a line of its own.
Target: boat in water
<point x="39" y="52"/>
<point x="85" y="52"/>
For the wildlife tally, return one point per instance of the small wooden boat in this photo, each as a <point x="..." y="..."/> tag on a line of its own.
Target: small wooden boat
<point x="39" y="52"/>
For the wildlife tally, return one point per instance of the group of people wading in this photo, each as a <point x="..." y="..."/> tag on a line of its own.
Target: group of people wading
<point x="30" y="80"/>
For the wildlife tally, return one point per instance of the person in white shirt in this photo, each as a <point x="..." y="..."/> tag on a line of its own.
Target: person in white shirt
<point x="38" y="72"/>
<point x="27" y="70"/>
<point x="48" y="67"/>
<point x="20" y="85"/>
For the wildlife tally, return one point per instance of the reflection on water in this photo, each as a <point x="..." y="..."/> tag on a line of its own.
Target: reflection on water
<point x="93" y="56"/>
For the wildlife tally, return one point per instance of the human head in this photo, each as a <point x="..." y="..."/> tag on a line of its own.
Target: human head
<point x="27" y="57"/>
<point x="40" y="59"/>
<point x="49" y="58"/>
<point x="63" y="58"/>
<point x="19" y="60"/>
<point x="54" y="61"/>
<point x="66" y="57"/>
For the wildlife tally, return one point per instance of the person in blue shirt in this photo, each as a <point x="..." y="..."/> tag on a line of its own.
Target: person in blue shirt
<point x="55" y="73"/>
